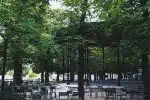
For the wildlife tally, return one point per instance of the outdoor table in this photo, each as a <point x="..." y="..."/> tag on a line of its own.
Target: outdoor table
<point x="60" y="90"/>
<point x="117" y="90"/>
<point x="113" y="87"/>
<point x="73" y="85"/>
<point x="73" y="88"/>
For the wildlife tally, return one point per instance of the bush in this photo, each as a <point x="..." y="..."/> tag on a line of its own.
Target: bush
<point x="32" y="75"/>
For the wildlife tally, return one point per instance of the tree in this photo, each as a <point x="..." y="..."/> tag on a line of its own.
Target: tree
<point x="21" y="27"/>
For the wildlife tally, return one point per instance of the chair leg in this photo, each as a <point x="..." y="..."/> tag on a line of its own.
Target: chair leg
<point x="96" y="94"/>
<point x="91" y="93"/>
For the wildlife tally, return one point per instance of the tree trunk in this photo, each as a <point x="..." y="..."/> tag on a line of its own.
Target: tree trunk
<point x="86" y="63"/>
<point x="71" y="65"/>
<point x="72" y="76"/>
<point x="68" y="74"/>
<point x="46" y="77"/>
<point x="46" y="67"/>
<point x="145" y="72"/>
<point x="112" y="76"/>
<point x="103" y="76"/>
<point x="95" y="76"/>
<point x="90" y="77"/>
<point x="63" y="77"/>
<point x="63" y="65"/>
<point x="81" y="72"/>
<point x="145" y="57"/>
<point x="4" y="65"/>
<point x="42" y="77"/>
<point x="118" y="64"/>
<point x="17" y="71"/>
<point x="57" y="79"/>
<point x="103" y="73"/>
<point x="81" y="51"/>
<point x="72" y="73"/>
<point x="68" y="78"/>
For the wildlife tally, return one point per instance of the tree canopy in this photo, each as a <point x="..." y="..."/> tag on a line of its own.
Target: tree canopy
<point x="48" y="38"/>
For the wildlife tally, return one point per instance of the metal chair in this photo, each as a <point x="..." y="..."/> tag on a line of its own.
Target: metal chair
<point x="132" y="94"/>
<point x="94" y="90"/>
<point x="122" y="95"/>
<point x="66" y="94"/>
<point x="74" y="95"/>
<point x="140" y="92"/>
<point x="53" y="90"/>
<point x="18" y="93"/>
<point x="110" y="94"/>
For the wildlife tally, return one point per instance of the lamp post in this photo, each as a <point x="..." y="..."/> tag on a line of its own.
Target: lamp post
<point x="4" y="62"/>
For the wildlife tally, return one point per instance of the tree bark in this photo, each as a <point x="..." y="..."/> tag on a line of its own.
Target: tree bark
<point x="90" y="77"/>
<point x="145" y="73"/>
<point x="17" y="70"/>
<point x="145" y="69"/>
<point x="86" y="63"/>
<point x="72" y="76"/>
<point x="81" y="72"/>
<point x="46" y="77"/>
<point x="46" y="68"/>
<point x="118" y="65"/>
<point x="57" y="79"/>
<point x="4" y="65"/>
<point x="95" y="76"/>
<point x="68" y="74"/>
<point x="72" y="72"/>
<point x="81" y="51"/>
<point x="42" y="77"/>
<point x="103" y="73"/>
<point x="71" y="65"/>
<point x="63" y="64"/>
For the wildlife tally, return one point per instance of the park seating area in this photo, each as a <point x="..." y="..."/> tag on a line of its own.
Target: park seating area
<point x="63" y="91"/>
<point x="77" y="50"/>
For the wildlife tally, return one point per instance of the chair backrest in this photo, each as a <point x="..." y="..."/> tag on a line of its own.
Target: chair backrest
<point x="44" y="90"/>
<point x="63" y="93"/>
<point x="35" y="87"/>
<point x="124" y="90"/>
<point x="75" y="93"/>
<point x="17" y="89"/>
<point x="73" y="88"/>
<point x="94" y="89"/>
<point x="52" y="88"/>
<point x="140" y="90"/>
<point x="110" y="90"/>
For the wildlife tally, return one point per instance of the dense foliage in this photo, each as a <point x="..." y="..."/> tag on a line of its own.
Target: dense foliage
<point x="47" y="39"/>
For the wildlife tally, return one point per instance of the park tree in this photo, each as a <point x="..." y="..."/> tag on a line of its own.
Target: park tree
<point x="21" y="21"/>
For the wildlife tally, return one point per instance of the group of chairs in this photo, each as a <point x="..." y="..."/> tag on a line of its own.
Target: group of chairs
<point x="22" y="92"/>
<point x="32" y="93"/>
<point x="122" y="94"/>
<point x="26" y="92"/>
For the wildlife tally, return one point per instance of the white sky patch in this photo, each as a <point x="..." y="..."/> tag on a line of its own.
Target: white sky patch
<point x="55" y="5"/>
<point x="58" y="4"/>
